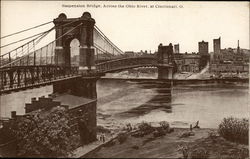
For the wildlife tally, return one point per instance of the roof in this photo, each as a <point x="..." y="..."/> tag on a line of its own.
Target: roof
<point x="72" y="101"/>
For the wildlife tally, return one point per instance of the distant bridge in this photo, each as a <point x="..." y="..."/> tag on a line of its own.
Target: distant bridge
<point x="127" y="63"/>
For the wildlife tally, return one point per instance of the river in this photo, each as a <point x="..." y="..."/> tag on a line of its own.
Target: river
<point x="128" y="101"/>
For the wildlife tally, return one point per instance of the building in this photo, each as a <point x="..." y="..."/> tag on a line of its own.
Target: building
<point x="231" y="55"/>
<point x="217" y="46"/>
<point x="187" y="62"/>
<point x="203" y="47"/>
<point x="176" y="48"/>
<point x="203" y="51"/>
<point x="229" y="68"/>
<point x="233" y="60"/>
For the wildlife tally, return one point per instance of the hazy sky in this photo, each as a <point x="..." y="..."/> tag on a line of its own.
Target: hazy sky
<point x="139" y="28"/>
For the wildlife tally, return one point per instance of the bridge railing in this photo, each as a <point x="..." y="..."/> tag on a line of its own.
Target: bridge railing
<point x="23" y="76"/>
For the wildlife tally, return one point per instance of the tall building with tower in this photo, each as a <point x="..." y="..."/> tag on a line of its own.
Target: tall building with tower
<point x="177" y="48"/>
<point x="203" y="51"/>
<point x="203" y="47"/>
<point x="217" y="45"/>
<point x="216" y="55"/>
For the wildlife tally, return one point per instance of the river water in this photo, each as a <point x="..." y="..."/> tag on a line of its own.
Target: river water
<point x="126" y="101"/>
<point x="123" y="101"/>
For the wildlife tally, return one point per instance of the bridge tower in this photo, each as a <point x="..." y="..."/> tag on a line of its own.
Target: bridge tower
<point x="165" y="61"/>
<point x="81" y="29"/>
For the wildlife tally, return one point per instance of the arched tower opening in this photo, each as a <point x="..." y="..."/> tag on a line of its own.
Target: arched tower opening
<point x="74" y="52"/>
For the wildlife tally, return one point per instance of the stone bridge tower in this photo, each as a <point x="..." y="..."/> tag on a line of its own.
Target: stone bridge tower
<point x="81" y="29"/>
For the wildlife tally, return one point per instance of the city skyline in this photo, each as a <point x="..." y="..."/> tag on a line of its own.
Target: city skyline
<point x="177" y="26"/>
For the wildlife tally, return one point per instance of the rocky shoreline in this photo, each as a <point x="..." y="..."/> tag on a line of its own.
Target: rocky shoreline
<point x="173" y="143"/>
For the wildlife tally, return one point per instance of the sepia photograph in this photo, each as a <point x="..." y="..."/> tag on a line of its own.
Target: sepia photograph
<point x="124" y="79"/>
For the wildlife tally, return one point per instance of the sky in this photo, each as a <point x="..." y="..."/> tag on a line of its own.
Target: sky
<point x="135" y="29"/>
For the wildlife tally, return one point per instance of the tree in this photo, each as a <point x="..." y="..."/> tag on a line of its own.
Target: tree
<point x="44" y="134"/>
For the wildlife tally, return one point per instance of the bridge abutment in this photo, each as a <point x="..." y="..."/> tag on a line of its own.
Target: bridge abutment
<point x="82" y="87"/>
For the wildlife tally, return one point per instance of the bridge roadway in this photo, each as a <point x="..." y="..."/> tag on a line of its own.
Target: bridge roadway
<point x="128" y="63"/>
<point x="17" y="78"/>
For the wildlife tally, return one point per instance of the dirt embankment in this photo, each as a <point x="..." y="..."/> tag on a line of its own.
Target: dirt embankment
<point x="169" y="146"/>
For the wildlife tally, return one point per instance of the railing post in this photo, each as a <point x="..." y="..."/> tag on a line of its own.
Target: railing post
<point x="46" y="55"/>
<point x="38" y="73"/>
<point x="9" y="58"/>
<point x="34" y="62"/>
<point x="10" y="72"/>
<point x="2" y="80"/>
<point x="28" y="60"/>
<point x="25" y="76"/>
<point x="41" y="56"/>
<point x="18" y="77"/>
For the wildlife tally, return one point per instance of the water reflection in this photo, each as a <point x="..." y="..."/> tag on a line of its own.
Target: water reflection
<point x="160" y="101"/>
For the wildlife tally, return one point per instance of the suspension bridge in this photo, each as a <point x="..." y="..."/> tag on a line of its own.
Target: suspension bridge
<point x="27" y="67"/>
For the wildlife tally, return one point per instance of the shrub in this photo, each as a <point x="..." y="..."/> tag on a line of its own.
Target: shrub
<point x="187" y="134"/>
<point x="165" y="125"/>
<point x="159" y="132"/>
<point x="44" y="134"/>
<point x="171" y="130"/>
<point x="213" y="136"/>
<point x="145" y="128"/>
<point x="137" y="134"/>
<point x="135" y="147"/>
<point x="7" y="134"/>
<point x="122" y="137"/>
<point x="184" y="150"/>
<point x="234" y="129"/>
<point x="199" y="153"/>
<point x="242" y="153"/>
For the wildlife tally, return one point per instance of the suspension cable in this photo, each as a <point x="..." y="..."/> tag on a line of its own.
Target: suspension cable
<point x="98" y="47"/>
<point x="40" y="35"/>
<point x="106" y="38"/>
<point x="43" y="47"/>
<point x="101" y="49"/>
<point x="25" y="30"/>
<point x="46" y="32"/>
<point x="23" y="39"/>
<point x="110" y="43"/>
<point x="95" y="44"/>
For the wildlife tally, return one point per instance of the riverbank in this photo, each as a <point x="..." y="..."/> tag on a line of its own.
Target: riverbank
<point x="210" y="80"/>
<point x="171" y="145"/>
